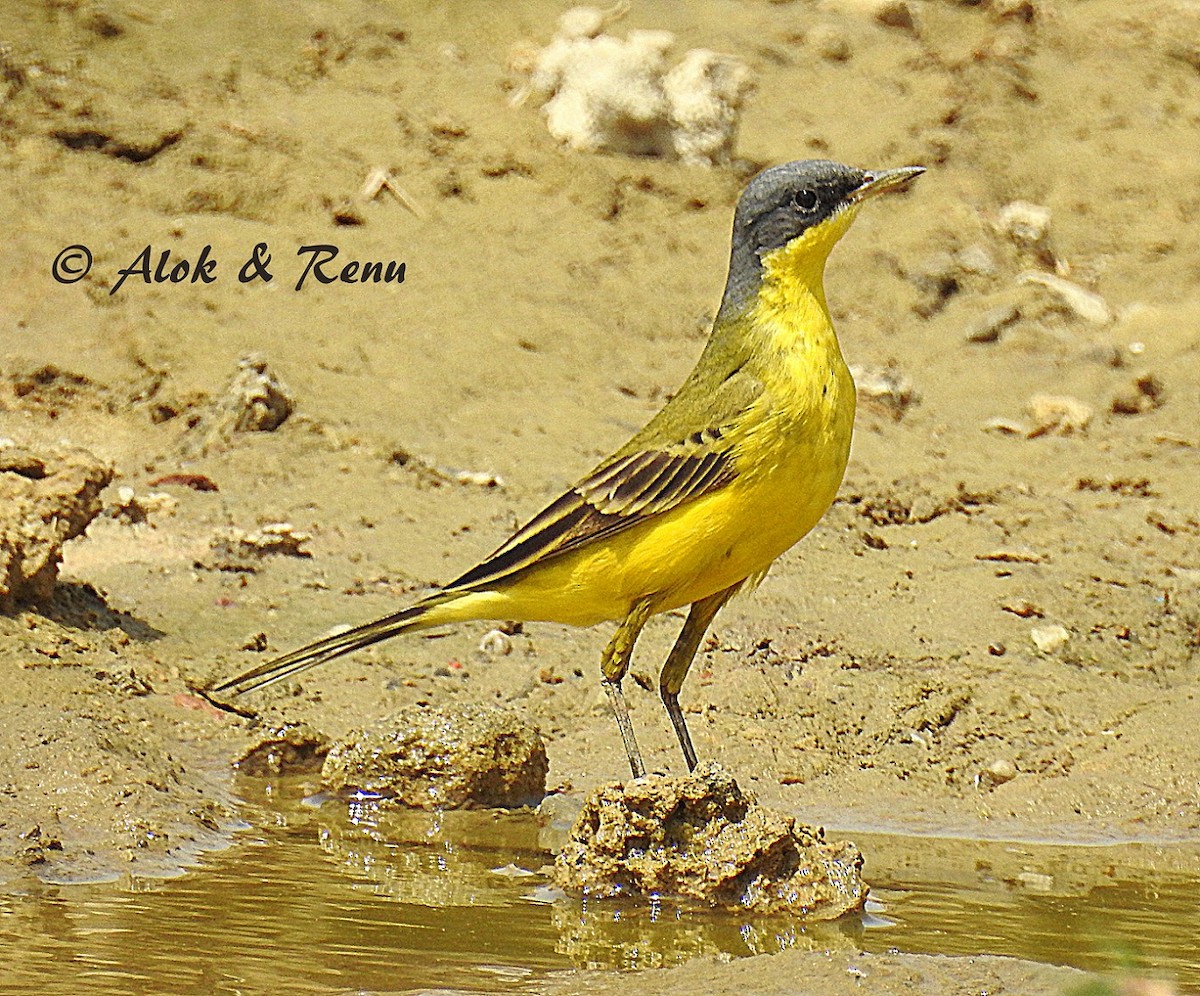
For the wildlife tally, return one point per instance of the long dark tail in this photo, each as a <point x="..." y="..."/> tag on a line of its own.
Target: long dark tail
<point x="298" y="661"/>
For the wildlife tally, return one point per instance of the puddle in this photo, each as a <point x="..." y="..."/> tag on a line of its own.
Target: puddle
<point x="333" y="898"/>
<point x="1097" y="907"/>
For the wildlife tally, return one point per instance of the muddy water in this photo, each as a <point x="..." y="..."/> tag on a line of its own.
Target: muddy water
<point x="1128" y="906"/>
<point x="327" y="896"/>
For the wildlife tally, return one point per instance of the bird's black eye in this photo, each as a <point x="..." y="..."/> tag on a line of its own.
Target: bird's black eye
<point x="805" y="200"/>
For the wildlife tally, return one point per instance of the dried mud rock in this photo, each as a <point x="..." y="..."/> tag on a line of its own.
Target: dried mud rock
<point x="254" y="401"/>
<point x="884" y="388"/>
<point x="1058" y="415"/>
<point x="1026" y="224"/>
<point x="600" y="92"/>
<point x="701" y="838"/>
<point x="476" y="756"/>
<point x="134" y="509"/>
<point x="236" y="549"/>
<point x="45" y="500"/>
<point x="1143" y="395"/>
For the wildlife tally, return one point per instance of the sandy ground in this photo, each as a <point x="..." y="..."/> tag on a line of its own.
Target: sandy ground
<point x="552" y="301"/>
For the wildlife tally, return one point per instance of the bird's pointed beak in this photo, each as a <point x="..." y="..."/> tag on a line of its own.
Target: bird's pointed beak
<point x="884" y="181"/>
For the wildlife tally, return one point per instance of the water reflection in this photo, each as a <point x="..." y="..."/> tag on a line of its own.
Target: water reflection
<point x="454" y="859"/>
<point x="1102" y="908"/>
<point x="335" y="896"/>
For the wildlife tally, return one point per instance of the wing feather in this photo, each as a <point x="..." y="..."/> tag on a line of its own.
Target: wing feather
<point x="686" y="475"/>
<point x="654" y="490"/>
<point x="665" y="465"/>
<point x="605" y="502"/>
<point x="610" y="471"/>
<point x="629" y="487"/>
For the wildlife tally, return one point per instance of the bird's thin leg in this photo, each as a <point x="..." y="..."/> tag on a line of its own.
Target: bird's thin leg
<point x="679" y="660"/>
<point x="625" y="725"/>
<point x="613" y="665"/>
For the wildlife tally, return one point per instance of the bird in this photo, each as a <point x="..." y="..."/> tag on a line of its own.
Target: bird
<point x="737" y="467"/>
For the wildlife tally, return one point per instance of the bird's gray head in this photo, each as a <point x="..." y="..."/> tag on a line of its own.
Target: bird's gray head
<point x="785" y="202"/>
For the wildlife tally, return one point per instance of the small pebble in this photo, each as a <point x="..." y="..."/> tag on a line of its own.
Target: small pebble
<point x="1000" y="771"/>
<point x="1014" y="10"/>
<point x="1011" y="556"/>
<point x="1086" y="304"/>
<point x="1006" y="426"/>
<point x="197" y="482"/>
<point x="895" y="14"/>
<point x="348" y="215"/>
<point x="1026" y="224"/>
<point x="829" y="42"/>
<point x="1037" y="881"/>
<point x="495" y="643"/>
<point x="132" y="509"/>
<point x="448" y="127"/>
<point x="936" y="277"/>
<point x="478" y="478"/>
<point x="886" y="386"/>
<point x="1058" y="415"/>
<point x="988" y="326"/>
<point x="512" y="871"/>
<point x="1049" y="638"/>
<point x="976" y="259"/>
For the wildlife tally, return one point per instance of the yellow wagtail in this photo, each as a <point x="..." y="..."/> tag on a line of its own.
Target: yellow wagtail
<point x="738" y="466"/>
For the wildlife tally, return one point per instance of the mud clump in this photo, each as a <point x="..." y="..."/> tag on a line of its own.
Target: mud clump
<point x="255" y="400"/>
<point x="603" y="93"/>
<point x="289" y="750"/>
<point x="702" y="838"/>
<point x="235" y="549"/>
<point x="474" y="757"/>
<point x="45" y="500"/>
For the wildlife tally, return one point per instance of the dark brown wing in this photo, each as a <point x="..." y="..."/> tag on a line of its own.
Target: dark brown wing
<point x="620" y="493"/>
<point x="667" y="463"/>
